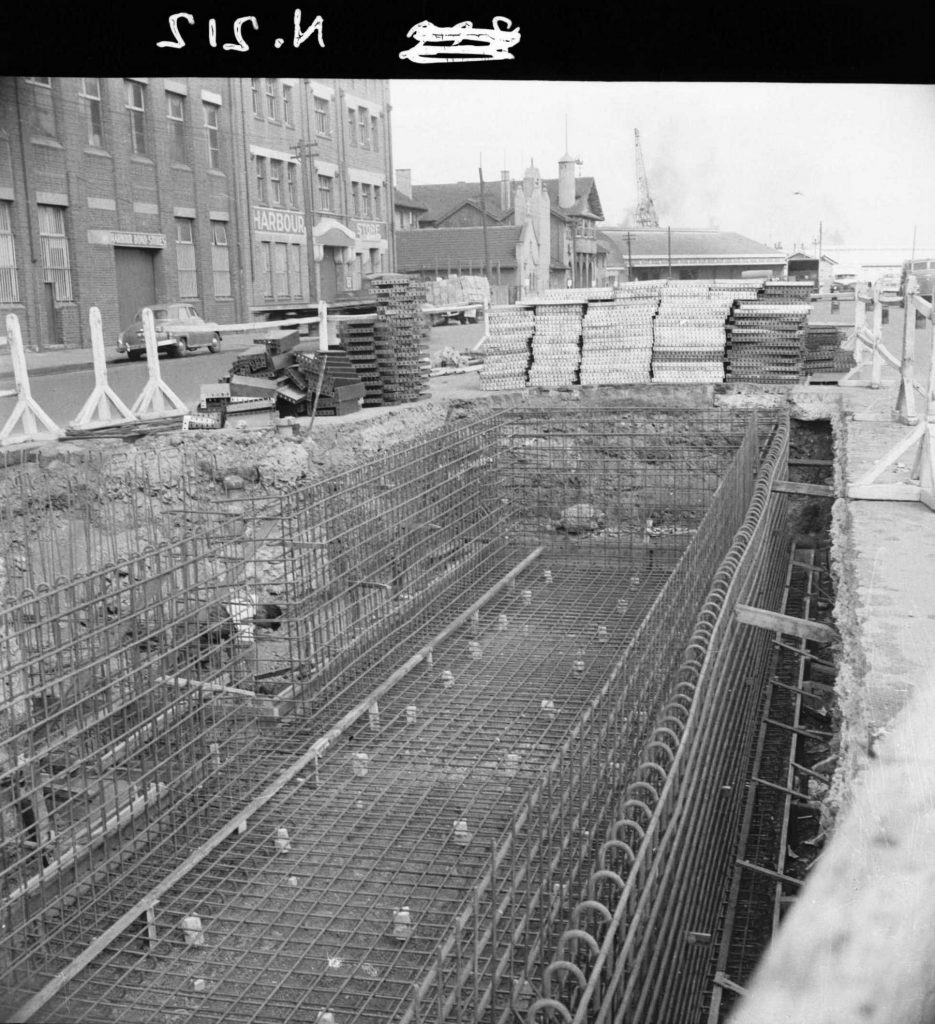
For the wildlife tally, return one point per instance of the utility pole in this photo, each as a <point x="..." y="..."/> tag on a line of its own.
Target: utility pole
<point x="483" y="213"/>
<point x="303" y="150"/>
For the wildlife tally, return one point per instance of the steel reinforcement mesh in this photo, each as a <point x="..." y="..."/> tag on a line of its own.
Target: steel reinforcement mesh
<point x="348" y="750"/>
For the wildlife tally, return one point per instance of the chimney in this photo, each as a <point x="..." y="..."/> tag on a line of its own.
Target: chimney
<point x="404" y="181"/>
<point x="504" y="190"/>
<point x="566" y="182"/>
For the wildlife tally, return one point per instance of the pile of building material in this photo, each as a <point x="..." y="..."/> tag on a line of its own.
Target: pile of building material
<point x="282" y="372"/>
<point x="823" y="352"/>
<point x="617" y="342"/>
<point x="331" y="376"/>
<point x="507" y="351"/>
<point x="638" y="290"/>
<point x="766" y="343"/>
<point x="689" y="336"/>
<point x="458" y="290"/>
<point x="787" y="291"/>
<point x="401" y="339"/>
<point x="737" y="288"/>
<point x="577" y="295"/>
<point x="556" y="344"/>
<point x="356" y="337"/>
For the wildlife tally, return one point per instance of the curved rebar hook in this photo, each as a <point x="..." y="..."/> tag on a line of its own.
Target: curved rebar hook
<point x="578" y="935"/>
<point x="599" y="876"/>
<point x="564" y="965"/>
<point x="653" y="766"/>
<point x="616" y="844"/>
<point x="585" y="905"/>
<point x="547" y="1004"/>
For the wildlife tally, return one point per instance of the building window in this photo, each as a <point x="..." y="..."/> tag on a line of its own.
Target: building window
<point x="220" y="260"/>
<point x="355" y="197"/>
<point x="377" y="202"/>
<point x="255" y="95"/>
<point x="212" y="133"/>
<point x="54" y="245"/>
<point x="375" y="134"/>
<point x="367" y="192"/>
<point x="363" y="125"/>
<point x="293" y="185"/>
<point x="266" y="266"/>
<point x="91" y="101"/>
<point x="9" y="285"/>
<point x="287" y="104"/>
<point x="322" y="116"/>
<point x="261" y="178"/>
<point x="176" y="115"/>
<point x="185" y="258"/>
<point x="351" y="127"/>
<point x="282" y="272"/>
<point x="136" y="108"/>
<point x="275" y="180"/>
<point x="295" y="275"/>
<point x="325" y="193"/>
<point x="271" y="97"/>
<point x="43" y="109"/>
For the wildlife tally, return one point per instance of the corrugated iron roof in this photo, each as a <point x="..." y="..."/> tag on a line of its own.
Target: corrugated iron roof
<point x="424" y="248"/>
<point x="687" y="243"/>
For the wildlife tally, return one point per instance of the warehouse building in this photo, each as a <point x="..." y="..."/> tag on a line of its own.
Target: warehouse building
<point x="642" y="254"/>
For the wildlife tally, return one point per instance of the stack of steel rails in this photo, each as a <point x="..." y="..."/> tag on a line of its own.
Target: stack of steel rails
<point x="401" y="339"/>
<point x="766" y="343"/>
<point x="357" y="337"/>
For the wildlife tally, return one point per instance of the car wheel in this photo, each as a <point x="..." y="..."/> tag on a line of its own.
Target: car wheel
<point x="181" y="347"/>
<point x="215" y="345"/>
<point x="135" y="355"/>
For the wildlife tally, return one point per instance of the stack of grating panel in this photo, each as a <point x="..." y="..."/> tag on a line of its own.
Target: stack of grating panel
<point x="340" y="390"/>
<point x="578" y="294"/>
<point x="766" y="343"/>
<point x="357" y="340"/>
<point x="823" y="352"/>
<point x="688" y="334"/>
<point x="556" y="347"/>
<point x="736" y="288"/>
<point x="787" y="291"/>
<point x="638" y="290"/>
<point x="617" y="342"/>
<point x="401" y="339"/>
<point x="507" y="351"/>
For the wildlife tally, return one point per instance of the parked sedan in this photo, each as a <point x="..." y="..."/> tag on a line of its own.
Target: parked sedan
<point x="179" y="329"/>
<point x="889" y="291"/>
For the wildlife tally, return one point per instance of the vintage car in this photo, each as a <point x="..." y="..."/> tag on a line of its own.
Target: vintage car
<point x="179" y="329"/>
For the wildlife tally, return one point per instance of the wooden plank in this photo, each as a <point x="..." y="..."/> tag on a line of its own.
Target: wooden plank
<point x="885" y="492"/>
<point x="770" y="874"/>
<point x="723" y="981"/>
<point x="795" y="487"/>
<point x="811" y="462"/>
<point x="890" y="457"/>
<point x="779" y="623"/>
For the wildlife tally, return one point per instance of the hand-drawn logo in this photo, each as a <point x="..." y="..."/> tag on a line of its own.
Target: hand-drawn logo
<point x="461" y="42"/>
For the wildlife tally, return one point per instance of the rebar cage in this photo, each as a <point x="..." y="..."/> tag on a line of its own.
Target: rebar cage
<point x="345" y="749"/>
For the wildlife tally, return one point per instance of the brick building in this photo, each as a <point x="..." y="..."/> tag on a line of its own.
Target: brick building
<point x="121" y="192"/>
<point x="114" y="193"/>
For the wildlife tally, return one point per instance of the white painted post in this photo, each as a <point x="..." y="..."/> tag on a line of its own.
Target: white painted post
<point x="157" y="399"/>
<point x="905" y="399"/>
<point x="26" y="412"/>
<point x="103" y="406"/>
<point x="877" y="369"/>
<point x="322" y="327"/>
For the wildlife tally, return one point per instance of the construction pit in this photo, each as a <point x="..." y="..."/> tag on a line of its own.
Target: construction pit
<point x="463" y="733"/>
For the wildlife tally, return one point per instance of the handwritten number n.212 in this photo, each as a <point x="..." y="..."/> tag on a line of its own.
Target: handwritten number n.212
<point x="241" y="46"/>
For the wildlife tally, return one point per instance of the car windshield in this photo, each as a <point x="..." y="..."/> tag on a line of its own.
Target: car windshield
<point x="160" y="314"/>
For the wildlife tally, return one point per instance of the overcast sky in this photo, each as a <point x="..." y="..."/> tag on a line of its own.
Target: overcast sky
<point x="727" y="155"/>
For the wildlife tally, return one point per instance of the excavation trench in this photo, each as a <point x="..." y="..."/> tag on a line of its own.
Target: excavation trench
<point x="458" y="735"/>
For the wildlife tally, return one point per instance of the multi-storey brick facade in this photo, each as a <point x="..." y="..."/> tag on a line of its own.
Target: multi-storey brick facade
<point x="119" y="193"/>
<point x="318" y="211"/>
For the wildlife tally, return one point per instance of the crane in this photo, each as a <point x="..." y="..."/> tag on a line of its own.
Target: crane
<point x="645" y="211"/>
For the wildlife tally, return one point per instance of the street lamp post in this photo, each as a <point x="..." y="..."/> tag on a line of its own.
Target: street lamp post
<point x="303" y="151"/>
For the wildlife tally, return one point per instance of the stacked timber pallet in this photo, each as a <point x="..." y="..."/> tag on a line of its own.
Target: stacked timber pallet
<point x="617" y="342"/>
<point x="823" y="352"/>
<point x="787" y="291"/>
<point x="556" y="344"/>
<point x="766" y="343"/>
<point x="507" y="351"/>
<point x="689" y="336"/>
<point x="401" y="339"/>
<point x="357" y="339"/>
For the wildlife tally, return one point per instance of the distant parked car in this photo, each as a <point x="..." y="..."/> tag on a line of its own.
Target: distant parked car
<point x="889" y="290"/>
<point x="179" y="329"/>
<point x="843" y="282"/>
